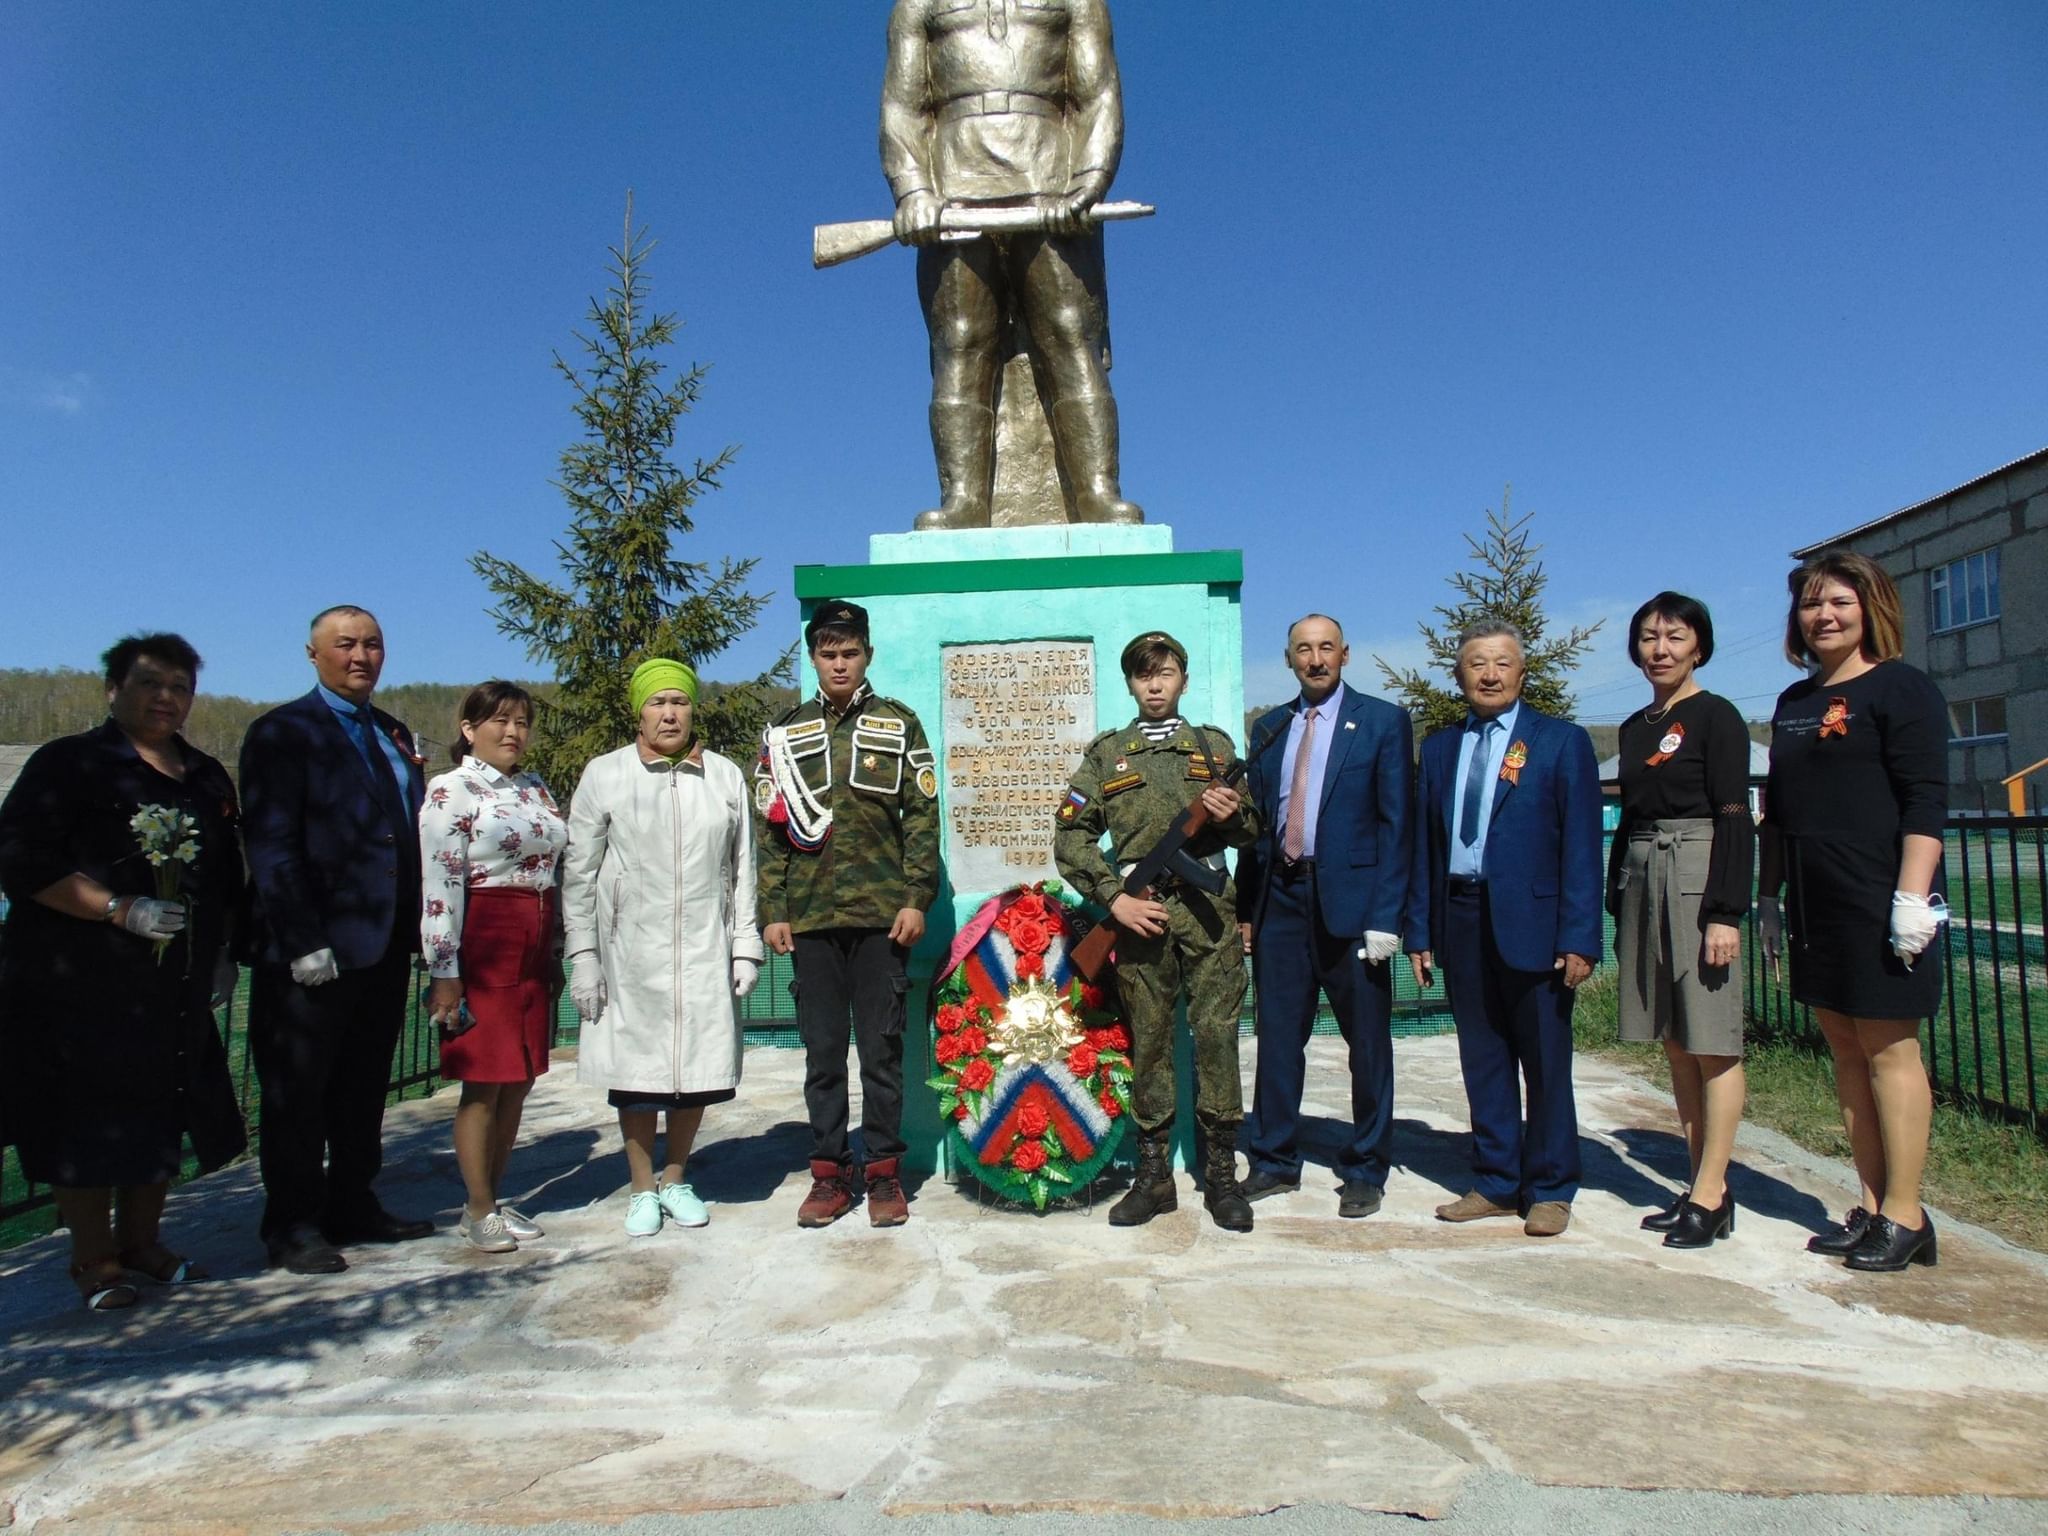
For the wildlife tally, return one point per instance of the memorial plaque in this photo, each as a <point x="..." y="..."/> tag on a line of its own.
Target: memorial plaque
<point x="1017" y="717"/>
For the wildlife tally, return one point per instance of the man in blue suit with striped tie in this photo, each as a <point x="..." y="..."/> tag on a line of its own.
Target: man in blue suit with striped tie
<point x="1506" y="895"/>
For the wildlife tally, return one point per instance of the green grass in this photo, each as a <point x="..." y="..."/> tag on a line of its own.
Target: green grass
<point x="1982" y="1170"/>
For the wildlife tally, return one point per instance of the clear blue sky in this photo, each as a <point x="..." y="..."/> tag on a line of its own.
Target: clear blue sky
<point x="279" y="285"/>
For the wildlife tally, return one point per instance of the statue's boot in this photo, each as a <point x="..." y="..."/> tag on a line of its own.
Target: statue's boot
<point x="1085" y="429"/>
<point x="964" y="443"/>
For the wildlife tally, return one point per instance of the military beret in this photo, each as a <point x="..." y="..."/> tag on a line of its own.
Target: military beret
<point x="1150" y="638"/>
<point x="836" y="613"/>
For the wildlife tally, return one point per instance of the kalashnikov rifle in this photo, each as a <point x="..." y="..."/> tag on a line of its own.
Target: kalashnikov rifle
<point x="1170" y="853"/>
<point x="833" y="243"/>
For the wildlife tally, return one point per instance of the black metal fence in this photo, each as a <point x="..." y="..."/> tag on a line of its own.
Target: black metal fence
<point x="1987" y="1047"/>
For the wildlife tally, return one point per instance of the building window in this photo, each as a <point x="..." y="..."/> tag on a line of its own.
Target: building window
<point x="1971" y="720"/>
<point x="1963" y="592"/>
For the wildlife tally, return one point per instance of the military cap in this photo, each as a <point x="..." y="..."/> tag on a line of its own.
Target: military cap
<point x="836" y="613"/>
<point x="1150" y="638"/>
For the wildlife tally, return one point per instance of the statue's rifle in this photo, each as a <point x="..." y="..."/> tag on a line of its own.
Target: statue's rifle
<point x="833" y="243"/>
<point x="1168" y="856"/>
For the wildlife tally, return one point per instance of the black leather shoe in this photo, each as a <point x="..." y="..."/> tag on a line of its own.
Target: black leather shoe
<point x="378" y="1226"/>
<point x="1698" y="1227"/>
<point x="1666" y="1219"/>
<point x="304" y="1251"/>
<point x="1843" y="1239"/>
<point x="1887" y="1246"/>
<point x="1263" y="1183"/>
<point x="1355" y="1197"/>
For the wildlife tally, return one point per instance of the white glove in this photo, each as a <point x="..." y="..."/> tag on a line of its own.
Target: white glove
<point x="1770" y="927"/>
<point x="1378" y="947"/>
<point x="745" y="973"/>
<point x="148" y="917"/>
<point x="1915" y="922"/>
<point x="225" y="974"/>
<point x="586" y="985"/>
<point x="316" y="969"/>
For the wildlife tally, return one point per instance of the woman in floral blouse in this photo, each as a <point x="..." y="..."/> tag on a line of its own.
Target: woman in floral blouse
<point x="491" y="840"/>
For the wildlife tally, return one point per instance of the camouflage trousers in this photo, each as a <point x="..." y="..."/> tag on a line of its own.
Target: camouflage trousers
<point x="1200" y="954"/>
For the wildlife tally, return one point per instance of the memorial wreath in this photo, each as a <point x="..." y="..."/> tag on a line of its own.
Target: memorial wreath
<point x="1034" y="1065"/>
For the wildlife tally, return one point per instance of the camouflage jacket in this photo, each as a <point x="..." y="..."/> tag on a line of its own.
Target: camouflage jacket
<point x="872" y="769"/>
<point x="1133" y="789"/>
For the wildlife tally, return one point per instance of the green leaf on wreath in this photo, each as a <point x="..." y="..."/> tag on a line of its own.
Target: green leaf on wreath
<point x="1052" y="1146"/>
<point x="1123" y="1095"/>
<point x="1057" y="1175"/>
<point x="949" y="1105"/>
<point x="1039" y="1190"/>
<point x="940" y="1083"/>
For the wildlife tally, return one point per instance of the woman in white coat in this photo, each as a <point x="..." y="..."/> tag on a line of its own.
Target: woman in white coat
<point x="658" y="904"/>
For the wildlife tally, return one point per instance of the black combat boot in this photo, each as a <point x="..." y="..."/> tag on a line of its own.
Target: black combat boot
<point x="1227" y="1205"/>
<point x="1151" y="1192"/>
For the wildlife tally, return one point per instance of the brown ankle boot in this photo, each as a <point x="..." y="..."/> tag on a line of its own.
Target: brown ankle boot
<point x="886" y="1205"/>
<point x="831" y="1196"/>
<point x="1152" y="1192"/>
<point x="1227" y="1205"/>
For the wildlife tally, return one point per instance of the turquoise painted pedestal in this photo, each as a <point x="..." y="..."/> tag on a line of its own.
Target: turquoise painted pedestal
<point x="1098" y="585"/>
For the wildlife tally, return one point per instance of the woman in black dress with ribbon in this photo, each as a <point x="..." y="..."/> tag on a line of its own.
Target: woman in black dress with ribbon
<point x="1853" y="818"/>
<point x="109" y="1054"/>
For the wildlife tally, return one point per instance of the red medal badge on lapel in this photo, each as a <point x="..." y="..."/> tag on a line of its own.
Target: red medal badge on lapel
<point x="1836" y="721"/>
<point x="1668" y="747"/>
<point x="1511" y="765"/>
<point x="404" y="747"/>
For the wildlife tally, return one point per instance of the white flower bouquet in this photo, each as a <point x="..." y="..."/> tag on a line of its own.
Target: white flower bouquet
<point x="169" y="839"/>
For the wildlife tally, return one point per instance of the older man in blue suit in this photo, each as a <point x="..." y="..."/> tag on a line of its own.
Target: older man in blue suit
<point x="331" y="791"/>
<point x="1506" y="895"/>
<point x="1320" y="898"/>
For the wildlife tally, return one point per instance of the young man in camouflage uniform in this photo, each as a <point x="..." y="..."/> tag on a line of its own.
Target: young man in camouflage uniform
<point x="846" y="796"/>
<point x="1132" y="783"/>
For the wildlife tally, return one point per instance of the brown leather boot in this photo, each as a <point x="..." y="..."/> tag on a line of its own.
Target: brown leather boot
<point x="831" y="1196"/>
<point x="886" y="1205"/>
<point x="1151" y="1192"/>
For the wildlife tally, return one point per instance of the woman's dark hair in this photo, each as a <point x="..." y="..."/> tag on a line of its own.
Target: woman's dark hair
<point x="1679" y="609"/>
<point x="486" y="701"/>
<point x="1884" y="621"/>
<point x="171" y="650"/>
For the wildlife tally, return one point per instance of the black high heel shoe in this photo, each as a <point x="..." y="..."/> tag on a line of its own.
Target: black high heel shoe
<point x="1887" y="1246"/>
<point x="1698" y="1227"/>
<point x="1842" y="1239"/>
<point x="1666" y="1219"/>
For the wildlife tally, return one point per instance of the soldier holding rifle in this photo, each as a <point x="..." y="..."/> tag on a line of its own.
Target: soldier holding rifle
<point x="1180" y="936"/>
<point x="1008" y="106"/>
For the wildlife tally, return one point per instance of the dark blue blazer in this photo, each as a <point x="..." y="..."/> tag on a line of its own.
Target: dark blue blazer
<point x="1544" y="880"/>
<point x="330" y="868"/>
<point x="1362" y="837"/>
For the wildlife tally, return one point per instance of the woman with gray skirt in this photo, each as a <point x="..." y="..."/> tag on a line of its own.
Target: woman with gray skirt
<point x="1678" y="888"/>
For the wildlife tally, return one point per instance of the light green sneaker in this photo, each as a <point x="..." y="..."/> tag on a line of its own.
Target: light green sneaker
<point x="643" y="1213"/>
<point x="683" y="1206"/>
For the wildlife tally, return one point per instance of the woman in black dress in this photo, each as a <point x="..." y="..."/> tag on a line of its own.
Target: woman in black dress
<point x="108" y="1049"/>
<point x="1853" y="819"/>
<point x="1678" y="887"/>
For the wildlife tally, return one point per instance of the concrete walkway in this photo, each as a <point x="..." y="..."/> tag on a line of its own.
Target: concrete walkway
<point x="983" y="1359"/>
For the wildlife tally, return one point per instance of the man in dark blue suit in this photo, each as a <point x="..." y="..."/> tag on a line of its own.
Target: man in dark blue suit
<point x="1319" y="907"/>
<point x="331" y="791"/>
<point x="1506" y="894"/>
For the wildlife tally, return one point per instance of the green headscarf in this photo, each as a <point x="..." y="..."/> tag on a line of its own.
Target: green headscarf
<point x="654" y="675"/>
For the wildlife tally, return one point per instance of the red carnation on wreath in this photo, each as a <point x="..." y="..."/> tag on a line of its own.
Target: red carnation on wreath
<point x="973" y="1040"/>
<point x="1081" y="1060"/>
<point x="977" y="1075"/>
<point x="1033" y="1121"/>
<point x="1029" y="903"/>
<point x="950" y="1017"/>
<point x="1111" y="1105"/>
<point x="1111" y="1039"/>
<point x="1029" y="1156"/>
<point x="1030" y="936"/>
<point x="1091" y="997"/>
<point x="949" y="1049"/>
<point x="1030" y="967"/>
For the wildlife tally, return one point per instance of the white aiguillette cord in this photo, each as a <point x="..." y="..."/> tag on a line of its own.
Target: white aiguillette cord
<point x="808" y="815"/>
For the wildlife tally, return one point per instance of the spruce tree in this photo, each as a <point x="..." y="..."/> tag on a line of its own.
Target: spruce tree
<point x="1505" y="582"/>
<point x="623" y="595"/>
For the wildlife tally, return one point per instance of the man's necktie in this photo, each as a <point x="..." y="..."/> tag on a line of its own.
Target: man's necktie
<point x="1475" y="783"/>
<point x="389" y="792"/>
<point x="1297" y="791"/>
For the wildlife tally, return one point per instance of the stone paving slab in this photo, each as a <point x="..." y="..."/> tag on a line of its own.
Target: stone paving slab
<point x="989" y="1360"/>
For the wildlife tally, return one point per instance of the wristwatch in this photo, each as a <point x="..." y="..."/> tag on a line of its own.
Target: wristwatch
<point x="113" y="906"/>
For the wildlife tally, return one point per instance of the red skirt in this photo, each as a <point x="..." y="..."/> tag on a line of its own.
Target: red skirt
<point x="508" y="973"/>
